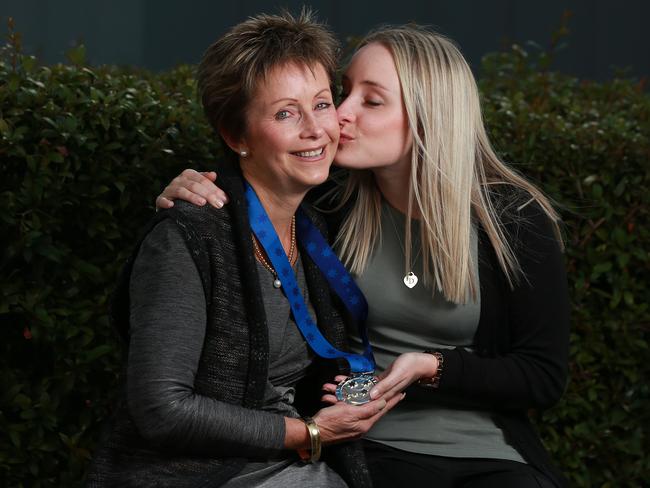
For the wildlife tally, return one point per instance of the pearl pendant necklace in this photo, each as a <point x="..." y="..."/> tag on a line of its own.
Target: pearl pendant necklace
<point x="292" y="253"/>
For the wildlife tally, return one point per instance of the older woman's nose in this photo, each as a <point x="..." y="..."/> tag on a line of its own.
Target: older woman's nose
<point x="312" y="127"/>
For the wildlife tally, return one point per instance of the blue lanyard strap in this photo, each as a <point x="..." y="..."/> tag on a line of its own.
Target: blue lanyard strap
<point x="333" y="270"/>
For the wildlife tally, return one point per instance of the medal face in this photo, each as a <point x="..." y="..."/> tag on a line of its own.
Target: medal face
<point x="355" y="390"/>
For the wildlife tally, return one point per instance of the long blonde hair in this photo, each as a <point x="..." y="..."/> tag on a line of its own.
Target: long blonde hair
<point x="453" y="168"/>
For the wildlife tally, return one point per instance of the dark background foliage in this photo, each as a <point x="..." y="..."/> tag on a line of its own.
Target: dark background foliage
<point x="84" y="151"/>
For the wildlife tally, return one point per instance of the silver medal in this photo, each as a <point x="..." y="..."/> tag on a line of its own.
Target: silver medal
<point x="355" y="390"/>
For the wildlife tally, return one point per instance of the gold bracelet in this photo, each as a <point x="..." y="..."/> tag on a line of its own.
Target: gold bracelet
<point x="315" y="442"/>
<point x="434" y="381"/>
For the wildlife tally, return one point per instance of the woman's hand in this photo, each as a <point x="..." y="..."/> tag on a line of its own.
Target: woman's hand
<point x="405" y="370"/>
<point x="197" y="188"/>
<point x="343" y="422"/>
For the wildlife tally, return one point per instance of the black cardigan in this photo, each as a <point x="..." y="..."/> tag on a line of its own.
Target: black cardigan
<point x="522" y="340"/>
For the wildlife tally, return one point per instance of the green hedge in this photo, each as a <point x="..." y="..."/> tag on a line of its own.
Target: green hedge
<point x="84" y="151"/>
<point x="588" y="146"/>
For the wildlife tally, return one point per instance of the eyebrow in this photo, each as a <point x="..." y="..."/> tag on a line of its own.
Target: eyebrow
<point x="289" y="99"/>
<point x="368" y="82"/>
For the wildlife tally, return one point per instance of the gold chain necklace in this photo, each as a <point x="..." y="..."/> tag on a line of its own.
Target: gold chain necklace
<point x="410" y="279"/>
<point x="292" y="254"/>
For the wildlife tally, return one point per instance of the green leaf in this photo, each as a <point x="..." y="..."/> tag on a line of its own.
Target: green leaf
<point x="628" y="298"/>
<point x="77" y="55"/>
<point x="97" y="352"/>
<point x="22" y="401"/>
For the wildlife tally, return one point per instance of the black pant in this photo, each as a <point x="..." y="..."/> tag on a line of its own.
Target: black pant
<point x="390" y="468"/>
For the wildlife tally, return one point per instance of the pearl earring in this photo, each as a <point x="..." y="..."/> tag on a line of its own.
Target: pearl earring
<point x="243" y="153"/>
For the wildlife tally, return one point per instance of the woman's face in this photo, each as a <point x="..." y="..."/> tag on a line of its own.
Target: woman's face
<point x="291" y="130"/>
<point x="372" y="117"/>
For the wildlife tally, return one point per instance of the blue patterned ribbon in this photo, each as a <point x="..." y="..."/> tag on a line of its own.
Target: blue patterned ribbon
<point x="334" y="271"/>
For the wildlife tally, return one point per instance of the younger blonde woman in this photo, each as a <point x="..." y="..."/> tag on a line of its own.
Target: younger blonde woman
<point x="461" y="264"/>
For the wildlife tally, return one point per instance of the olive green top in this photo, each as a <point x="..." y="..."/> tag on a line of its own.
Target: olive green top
<point x="405" y="319"/>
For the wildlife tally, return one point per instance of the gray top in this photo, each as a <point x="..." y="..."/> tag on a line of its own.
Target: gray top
<point x="403" y="320"/>
<point x="289" y="354"/>
<point x="165" y="347"/>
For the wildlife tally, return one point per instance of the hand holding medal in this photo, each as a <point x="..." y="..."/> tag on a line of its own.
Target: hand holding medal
<point x="343" y="422"/>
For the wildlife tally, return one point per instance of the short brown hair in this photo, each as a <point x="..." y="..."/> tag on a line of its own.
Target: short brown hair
<point x="232" y="67"/>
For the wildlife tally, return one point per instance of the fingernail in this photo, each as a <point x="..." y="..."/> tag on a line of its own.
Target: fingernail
<point x="217" y="203"/>
<point x="382" y="404"/>
<point x="403" y="395"/>
<point x="201" y="201"/>
<point x="374" y="393"/>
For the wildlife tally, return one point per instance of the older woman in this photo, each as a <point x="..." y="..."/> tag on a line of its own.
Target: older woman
<point x="218" y="372"/>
